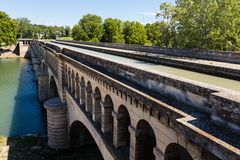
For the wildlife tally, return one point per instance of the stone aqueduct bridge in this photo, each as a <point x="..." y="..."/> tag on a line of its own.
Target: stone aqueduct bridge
<point x="121" y="109"/>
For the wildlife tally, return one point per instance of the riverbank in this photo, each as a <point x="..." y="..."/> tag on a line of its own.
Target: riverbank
<point x="35" y="147"/>
<point x="7" y="52"/>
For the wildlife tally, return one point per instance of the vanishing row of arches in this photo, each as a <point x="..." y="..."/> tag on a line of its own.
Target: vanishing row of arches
<point x="101" y="112"/>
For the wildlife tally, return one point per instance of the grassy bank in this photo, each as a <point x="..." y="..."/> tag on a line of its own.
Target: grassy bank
<point x="36" y="148"/>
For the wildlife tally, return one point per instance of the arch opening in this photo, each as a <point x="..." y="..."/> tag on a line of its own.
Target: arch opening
<point x="65" y="75"/>
<point x="73" y="82"/>
<point x="77" y="93"/>
<point x="89" y="102"/>
<point x="175" y="151"/>
<point x="97" y="106"/>
<point x="107" y="118"/>
<point x="145" y="141"/>
<point x="69" y="78"/>
<point x="82" y="92"/>
<point x="81" y="138"/>
<point x="53" y="91"/>
<point x="123" y="135"/>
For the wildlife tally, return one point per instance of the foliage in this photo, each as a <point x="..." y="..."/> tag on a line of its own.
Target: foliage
<point x="24" y="28"/>
<point x="160" y="34"/>
<point x="67" y="31"/>
<point x="207" y="24"/>
<point x="8" y="30"/>
<point x="76" y="32"/>
<point x="113" y="31"/>
<point x="134" y="33"/>
<point x="89" y="28"/>
<point x="167" y="11"/>
<point x="28" y="30"/>
<point x="65" y="38"/>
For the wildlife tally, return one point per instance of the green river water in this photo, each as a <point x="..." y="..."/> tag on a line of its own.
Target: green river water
<point x="20" y="111"/>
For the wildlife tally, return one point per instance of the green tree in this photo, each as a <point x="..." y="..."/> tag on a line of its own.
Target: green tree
<point x="134" y="33"/>
<point x="209" y="24"/>
<point x="67" y="31"/>
<point x="91" y="28"/>
<point x="76" y="31"/>
<point x="25" y="28"/>
<point x="8" y="30"/>
<point x="167" y="11"/>
<point x="160" y="34"/>
<point x="113" y="31"/>
<point x="167" y="16"/>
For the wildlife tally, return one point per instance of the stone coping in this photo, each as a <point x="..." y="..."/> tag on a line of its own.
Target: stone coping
<point x="54" y="103"/>
<point x="222" y="56"/>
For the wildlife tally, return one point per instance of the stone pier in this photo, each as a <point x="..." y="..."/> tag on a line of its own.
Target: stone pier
<point x="57" y="123"/>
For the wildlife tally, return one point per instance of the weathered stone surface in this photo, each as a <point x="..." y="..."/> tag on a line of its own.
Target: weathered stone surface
<point x="227" y="107"/>
<point x="174" y="121"/>
<point x="57" y="123"/>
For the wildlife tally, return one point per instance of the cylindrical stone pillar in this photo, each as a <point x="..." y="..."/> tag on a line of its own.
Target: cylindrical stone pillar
<point x="57" y="123"/>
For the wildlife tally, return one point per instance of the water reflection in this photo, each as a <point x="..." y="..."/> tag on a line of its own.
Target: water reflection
<point x="20" y="111"/>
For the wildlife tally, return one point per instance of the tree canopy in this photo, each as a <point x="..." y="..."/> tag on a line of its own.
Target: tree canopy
<point x="113" y="31"/>
<point x="91" y="28"/>
<point x="8" y="30"/>
<point x="207" y="24"/>
<point x="159" y="33"/>
<point x="28" y="30"/>
<point x="134" y="33"/>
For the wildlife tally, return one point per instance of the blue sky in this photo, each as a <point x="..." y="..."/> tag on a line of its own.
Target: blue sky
<point x="68" y="12"/>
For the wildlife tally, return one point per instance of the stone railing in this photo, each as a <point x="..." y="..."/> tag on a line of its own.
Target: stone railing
<point x="222" y="56"/>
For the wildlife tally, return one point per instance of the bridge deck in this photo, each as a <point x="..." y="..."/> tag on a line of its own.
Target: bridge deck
<point x="152" y="67"/>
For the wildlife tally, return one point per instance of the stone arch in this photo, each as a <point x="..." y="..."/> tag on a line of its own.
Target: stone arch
<point x="89" y="102"/>
<point x="65" y="73"/>
<point x="145" y="141"/>
<point x="96" y="111"/>
<point x="72" y="82"/>
<point x="82" y="92"/>
<point x="123" y="134"/>
<point x="77" y="92"/>
<point x="107" y="118"/>
<point x="80" y="136"/>
<point x="69" y="78"/>
<point x="53" y="91"/>
<point x="175" y="151"/>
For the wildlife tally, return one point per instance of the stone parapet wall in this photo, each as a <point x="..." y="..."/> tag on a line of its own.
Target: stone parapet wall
<point x="226" y="106"/>
<point x="222" y="56"/>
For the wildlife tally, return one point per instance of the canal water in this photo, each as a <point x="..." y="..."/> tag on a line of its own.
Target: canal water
<point x="20" y="111"/>
<point x="199" y="77"/>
